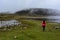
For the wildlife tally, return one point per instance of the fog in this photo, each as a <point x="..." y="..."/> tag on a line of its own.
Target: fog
<point x="15" y="5"/>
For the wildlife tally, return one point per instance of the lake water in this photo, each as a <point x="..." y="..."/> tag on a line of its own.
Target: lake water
<point x="15" y="22"/>
<point x="54" y="18"/>
<point x="9" y="23"/>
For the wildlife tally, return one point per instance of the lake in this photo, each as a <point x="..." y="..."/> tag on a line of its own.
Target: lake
<point x="9" y="23"/>
<point x="15" y="22"/>
<point x="53" y="19"/>
<point x="47" y="18"/>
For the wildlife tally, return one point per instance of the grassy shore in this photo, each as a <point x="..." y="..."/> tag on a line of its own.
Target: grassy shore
<point x="32" y="30"/>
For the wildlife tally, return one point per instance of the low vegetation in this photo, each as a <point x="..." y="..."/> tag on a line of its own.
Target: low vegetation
<point x="32" y="30"/>
<point x="29" y="30"/>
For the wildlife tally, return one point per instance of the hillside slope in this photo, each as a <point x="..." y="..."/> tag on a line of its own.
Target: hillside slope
<point x="38" y="12"/>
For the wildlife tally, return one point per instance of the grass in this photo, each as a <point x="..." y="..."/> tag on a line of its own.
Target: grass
<point x="32" y="30"/>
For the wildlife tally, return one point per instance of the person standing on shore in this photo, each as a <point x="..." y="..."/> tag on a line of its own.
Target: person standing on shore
<point x="43" y="25"/>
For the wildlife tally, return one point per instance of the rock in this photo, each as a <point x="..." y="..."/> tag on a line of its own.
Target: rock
<point x="15" y="37"/>
<point x="25" y="27"/>
<point x="57" y="27"/>
<point x="9" y="29"/>
<point x="4" y="29"/>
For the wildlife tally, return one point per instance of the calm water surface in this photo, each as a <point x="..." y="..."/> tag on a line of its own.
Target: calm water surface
<point x="9" y="23"/>
<point x="54" y="18"/>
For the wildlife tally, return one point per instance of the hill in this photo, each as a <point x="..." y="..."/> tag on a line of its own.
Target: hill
<point x="38" y="12"/>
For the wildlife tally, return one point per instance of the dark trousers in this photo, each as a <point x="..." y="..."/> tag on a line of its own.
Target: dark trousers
<point x="43" y="28"/>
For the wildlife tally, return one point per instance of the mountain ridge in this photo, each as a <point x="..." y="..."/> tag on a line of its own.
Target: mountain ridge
<point x="38" y="12"/>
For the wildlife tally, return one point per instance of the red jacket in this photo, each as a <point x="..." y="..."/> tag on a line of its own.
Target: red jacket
<point x="43" y="23"/>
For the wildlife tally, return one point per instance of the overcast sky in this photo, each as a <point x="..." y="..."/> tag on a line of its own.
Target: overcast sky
<point x="15" y="5"/>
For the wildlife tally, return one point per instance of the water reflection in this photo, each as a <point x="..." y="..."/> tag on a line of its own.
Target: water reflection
<point x="53" y="18"/>
<point x="9" y="23"/>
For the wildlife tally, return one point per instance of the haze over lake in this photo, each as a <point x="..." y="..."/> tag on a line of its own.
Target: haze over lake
<point x="54" y="18"/>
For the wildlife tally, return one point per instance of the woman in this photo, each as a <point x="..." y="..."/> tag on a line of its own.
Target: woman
<point x="43" y="25"/>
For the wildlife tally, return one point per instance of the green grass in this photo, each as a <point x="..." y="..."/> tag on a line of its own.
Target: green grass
<point x="32" y="30"/>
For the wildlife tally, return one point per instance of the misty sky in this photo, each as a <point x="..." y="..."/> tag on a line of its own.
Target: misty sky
<point x="15" y="5"/>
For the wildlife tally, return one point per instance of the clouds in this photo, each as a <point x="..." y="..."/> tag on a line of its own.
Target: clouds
<point x="45" y="4"/>
<point x="14" y="5"/>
